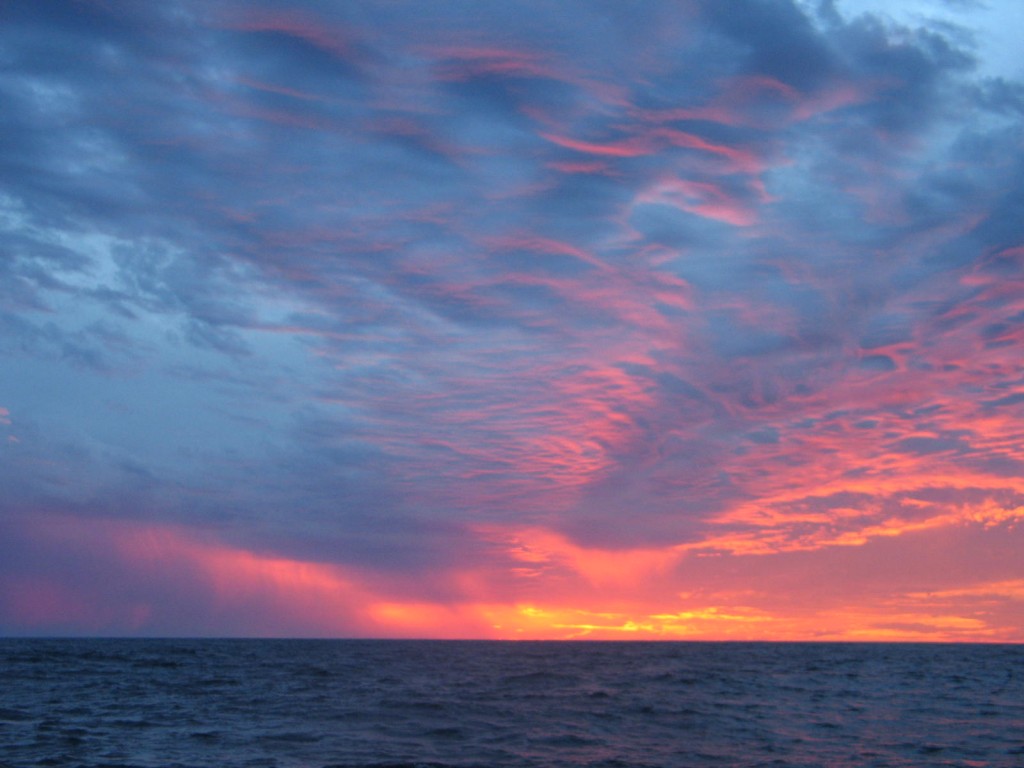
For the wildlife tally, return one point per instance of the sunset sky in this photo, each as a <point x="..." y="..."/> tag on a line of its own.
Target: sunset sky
<point x="632" y="320"/>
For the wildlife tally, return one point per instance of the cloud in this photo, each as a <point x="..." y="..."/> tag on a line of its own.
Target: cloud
<point x="383" y="289"/>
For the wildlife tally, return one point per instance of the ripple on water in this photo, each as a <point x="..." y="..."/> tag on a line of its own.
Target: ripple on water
<point x="154" y="704"/>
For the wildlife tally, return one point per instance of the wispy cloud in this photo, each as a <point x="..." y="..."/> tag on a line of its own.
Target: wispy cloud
<point x="564" y="320"/>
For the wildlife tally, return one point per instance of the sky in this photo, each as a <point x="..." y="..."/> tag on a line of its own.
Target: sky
<point x="610" y="320"/>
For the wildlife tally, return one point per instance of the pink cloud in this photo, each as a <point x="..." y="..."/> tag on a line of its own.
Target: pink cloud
<point x="595" y="167"/>
<point x="464" y="62"/>
<point x="302" y="25"/>
<point x="633" y="147"/>
<point x="763" y="102"/>
<point x="701" y="198"/>
<point x="739" y="159"/>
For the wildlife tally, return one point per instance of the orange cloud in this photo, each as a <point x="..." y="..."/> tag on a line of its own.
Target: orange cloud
<point x="1012" y="589"/>
<point x="543" y="586"/>
<point x="769" y="531"/>
<point x="543" y="550"/>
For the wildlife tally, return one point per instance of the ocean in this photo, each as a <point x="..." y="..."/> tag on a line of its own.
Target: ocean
<point x="441" y="704"/>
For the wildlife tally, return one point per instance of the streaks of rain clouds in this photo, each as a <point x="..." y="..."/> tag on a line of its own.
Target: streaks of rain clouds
<point x="542" y="319"/>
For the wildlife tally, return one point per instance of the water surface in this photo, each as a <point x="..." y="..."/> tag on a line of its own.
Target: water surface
<point x="351" y="703"/>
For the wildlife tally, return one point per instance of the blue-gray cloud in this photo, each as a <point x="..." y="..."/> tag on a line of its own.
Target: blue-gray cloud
<point x="347" y="281"/>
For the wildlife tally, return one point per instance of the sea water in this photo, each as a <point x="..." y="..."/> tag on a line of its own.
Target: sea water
<point x="310" y="704"/>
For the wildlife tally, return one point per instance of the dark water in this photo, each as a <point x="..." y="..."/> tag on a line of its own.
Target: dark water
<point x="308" y="704"/>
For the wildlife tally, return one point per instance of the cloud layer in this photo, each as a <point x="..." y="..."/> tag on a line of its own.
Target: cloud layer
<point x="677" y="320"/>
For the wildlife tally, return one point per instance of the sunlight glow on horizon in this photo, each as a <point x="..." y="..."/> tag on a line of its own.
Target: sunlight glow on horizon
<point x="227" y="584"/>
